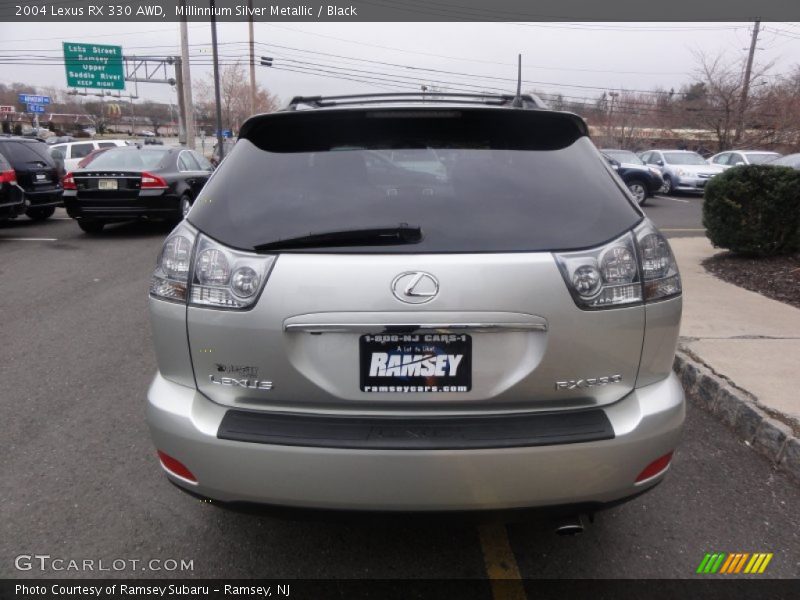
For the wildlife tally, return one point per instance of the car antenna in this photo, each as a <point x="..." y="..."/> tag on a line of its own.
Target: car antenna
<point x="517" y="103"/>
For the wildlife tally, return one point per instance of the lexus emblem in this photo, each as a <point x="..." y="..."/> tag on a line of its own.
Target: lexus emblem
<point x="415" y="287"/>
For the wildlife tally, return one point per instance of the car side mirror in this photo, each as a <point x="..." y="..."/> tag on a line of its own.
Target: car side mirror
<point x="660" y="163"/>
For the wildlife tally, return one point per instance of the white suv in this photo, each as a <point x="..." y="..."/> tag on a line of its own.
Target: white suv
<point x="73" y="152"/>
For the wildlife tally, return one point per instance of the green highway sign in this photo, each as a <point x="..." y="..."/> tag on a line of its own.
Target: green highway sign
<point x="94" y="66"/>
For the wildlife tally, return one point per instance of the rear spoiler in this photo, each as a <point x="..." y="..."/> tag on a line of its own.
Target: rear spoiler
<point x="428" y="126"/>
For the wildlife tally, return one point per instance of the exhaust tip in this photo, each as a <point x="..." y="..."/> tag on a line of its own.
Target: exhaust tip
<point x="570" y="526"/>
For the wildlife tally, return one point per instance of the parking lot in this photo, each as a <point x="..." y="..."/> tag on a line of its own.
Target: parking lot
<point x="81" y="479"/>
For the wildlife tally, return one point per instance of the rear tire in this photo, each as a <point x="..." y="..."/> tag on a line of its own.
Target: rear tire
<point x="185" y="205"/>
<point x="90" y="226"/>
<point x="40" y="214"/>
<point x="639" y="190"/>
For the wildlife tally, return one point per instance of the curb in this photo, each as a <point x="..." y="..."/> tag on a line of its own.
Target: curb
<point x="739" y="410"/>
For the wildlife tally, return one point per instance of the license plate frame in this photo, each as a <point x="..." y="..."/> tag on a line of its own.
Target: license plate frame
<point x="414" y="363"/>
<point x="107" y="184"/>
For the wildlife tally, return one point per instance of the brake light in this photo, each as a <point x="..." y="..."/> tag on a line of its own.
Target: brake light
<point x="659" y="465"/>
<point x="198" y="270"/>
<point x="636" y="267"/>
<point x="69" y="182"/>
<point x="8" y="176"/>
<point x="153" y="182"/>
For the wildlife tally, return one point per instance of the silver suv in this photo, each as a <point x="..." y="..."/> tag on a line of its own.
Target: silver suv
<point x="337" y="328"/>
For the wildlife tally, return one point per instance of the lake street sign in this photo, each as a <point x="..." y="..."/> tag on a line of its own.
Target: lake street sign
<point x="94" y="66"/>
<point x="33" y="99"/>
<point x="36" y="108"/>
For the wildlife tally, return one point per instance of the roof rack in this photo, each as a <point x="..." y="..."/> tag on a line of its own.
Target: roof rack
<point x="529" y="101"/>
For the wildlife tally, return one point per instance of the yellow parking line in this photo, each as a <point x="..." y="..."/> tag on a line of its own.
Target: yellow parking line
<point x="501" y="566"/>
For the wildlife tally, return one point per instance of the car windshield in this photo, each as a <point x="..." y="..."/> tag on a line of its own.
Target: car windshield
<point x="483" y="181"/>
<point x="684" y="158"/>
<point x="759" y="158"/>
<point x="624" y="156"/>
<point x="129" y="159"/>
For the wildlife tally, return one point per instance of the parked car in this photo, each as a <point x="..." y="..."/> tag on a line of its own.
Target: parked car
<point x="790" y="160"/>
<point x="682" y="170"/>
<point x="91" y="156"/>
<point x="146" y="133"/>
<point x="642" y="181"/>
<point x="11" y="197"/>
<point x="135" y="183"/>
<point x="59" y="139"/>
<point x="502" y="337"/>
<point x="37" y="174"/>
<point x="73" y="152"/>
<point x="733" y="158"/>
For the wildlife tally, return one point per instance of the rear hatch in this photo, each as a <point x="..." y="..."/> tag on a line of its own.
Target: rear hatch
<point x="461" y="307"/>
<point x="36" y="171"/>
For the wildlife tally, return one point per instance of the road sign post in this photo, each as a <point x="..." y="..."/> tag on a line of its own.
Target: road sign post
<point x="94" y="66"/>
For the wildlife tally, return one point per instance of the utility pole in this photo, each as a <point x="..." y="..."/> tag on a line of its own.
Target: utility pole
<point x="188" y="116"/>
<point x="746" y="83"/>
<point x="220" y="144"/>
<point x="182" y="136"/>
<point x="252" y="61"/>
<point x="611" y="133"/>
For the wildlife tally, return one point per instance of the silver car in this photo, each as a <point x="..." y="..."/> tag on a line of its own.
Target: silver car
<point x="682" y="170"/>
<point x="733" y="158"/>
<point x="494" y="331"/>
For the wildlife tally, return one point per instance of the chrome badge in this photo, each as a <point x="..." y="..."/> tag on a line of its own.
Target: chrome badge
<point x="415" y="287"/>
<point x="589" y="382"/>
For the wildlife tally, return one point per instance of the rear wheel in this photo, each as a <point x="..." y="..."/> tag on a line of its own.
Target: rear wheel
<point x="185" y="205"/>
<point x="639" y="191"/>
<point x="91" y="226"/>
<point x="40" y="214"/>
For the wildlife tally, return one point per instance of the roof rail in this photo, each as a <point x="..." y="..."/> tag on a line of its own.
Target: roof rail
<point x="529" y="101"/>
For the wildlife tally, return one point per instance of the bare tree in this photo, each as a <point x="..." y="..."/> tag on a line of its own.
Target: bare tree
<point x="717" y="107"/>
<point x="234" y="96"/>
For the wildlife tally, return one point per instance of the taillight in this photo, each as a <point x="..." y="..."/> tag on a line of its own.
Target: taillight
<point x="69" y="182"/>
<point x="153" y="182"/>
<point x="636" y="267"/>
<point x="8" y="176"/>
<point x="195" y="269"/>
<point x="226" y="278"/>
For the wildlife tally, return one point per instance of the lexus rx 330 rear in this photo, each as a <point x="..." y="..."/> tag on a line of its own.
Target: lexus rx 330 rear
<point x="488" y="323"/>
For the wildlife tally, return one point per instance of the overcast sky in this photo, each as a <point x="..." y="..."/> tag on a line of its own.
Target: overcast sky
<point x="580" y="59"/>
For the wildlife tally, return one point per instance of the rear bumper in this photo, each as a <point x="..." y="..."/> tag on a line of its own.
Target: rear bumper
<point x="148" y="205"/>
<point x="44" y="199"/>
<point x="647" y="424"/>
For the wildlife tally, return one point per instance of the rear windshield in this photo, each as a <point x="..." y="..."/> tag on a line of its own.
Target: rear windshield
<point x="472" y="181"/>
<point x="624" y="156"/>
<point x="24" y="155"/>
<point x="126" y="159"/>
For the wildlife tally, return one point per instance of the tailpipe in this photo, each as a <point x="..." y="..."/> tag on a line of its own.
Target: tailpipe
<point x="572" y="525"/>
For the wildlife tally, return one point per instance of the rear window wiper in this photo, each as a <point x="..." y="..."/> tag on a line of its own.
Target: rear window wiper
<point x="373" y="236"/>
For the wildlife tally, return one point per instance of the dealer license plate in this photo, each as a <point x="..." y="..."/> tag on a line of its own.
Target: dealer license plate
<point x="407" y="363"/>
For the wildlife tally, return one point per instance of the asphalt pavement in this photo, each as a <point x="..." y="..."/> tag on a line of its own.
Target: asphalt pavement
<point x="80" y="479"/>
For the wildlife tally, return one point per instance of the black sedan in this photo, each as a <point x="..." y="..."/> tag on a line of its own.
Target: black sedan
<point x="642" y="181"/>
<point x="135" y="183"/>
